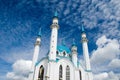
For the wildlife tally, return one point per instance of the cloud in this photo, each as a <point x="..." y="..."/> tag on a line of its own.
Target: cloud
<point x="101" y="76"/>
<point x="114" y="64"/>
<point x="101" y="41"/>
<point x="13" y="76"/>
<point x="107" y="50"/>
<point x="106" y="56"/>
<point x="106" y="76"/>
<point x="66" y="11"/>
<point x="100" y="14"/>
<point x="20" y="71"/>
<point x="17" y="54"/>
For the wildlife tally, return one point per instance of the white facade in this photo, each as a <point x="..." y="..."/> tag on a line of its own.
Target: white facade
<point x="61" y="63"/>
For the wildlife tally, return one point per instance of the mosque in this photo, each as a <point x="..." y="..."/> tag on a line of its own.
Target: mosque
<point x="61" y="62"/>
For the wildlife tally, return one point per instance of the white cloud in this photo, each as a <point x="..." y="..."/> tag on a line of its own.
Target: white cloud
<point x="66" y="11"/>
<point x="106" y="51"/>
<point x="115" y="64"/>
<point x="106" y="76"/>
<point x="101" y="41"/>
<point x="21" y="70"/>
<point x="101" y="15"/>
<point x="13" y="76"/>
<point x="105" y="59"/>
<point x="18" y="53"/>
<point x="101" y="76"/>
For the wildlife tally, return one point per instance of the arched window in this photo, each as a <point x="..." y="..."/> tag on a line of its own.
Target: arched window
<point x="80" y="75"/>
<point x="60" y="72"/>
<point x="67" y="73"/>
<point x="70" y="56"/>
<point x="64" y="53"/>
<point x="57" y="52"/>
<point x="41" y="73"/>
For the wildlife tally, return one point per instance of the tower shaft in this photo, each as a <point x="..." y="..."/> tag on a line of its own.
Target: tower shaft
<point x="74" y="58"/>
<point x="53" y="44"/>
<point x="36" y="53"/>
<point x="53" y="41"/>
<point x="35" y="58"/>
<point x="86" y="55"/>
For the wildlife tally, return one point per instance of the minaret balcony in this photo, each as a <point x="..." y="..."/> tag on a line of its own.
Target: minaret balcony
<point x="54" y="26"/>
<point x="37" y="43"/>
<point x="84" y="39"/>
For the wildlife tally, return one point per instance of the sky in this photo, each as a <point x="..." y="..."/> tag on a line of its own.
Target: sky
<point x="20" y="21"/>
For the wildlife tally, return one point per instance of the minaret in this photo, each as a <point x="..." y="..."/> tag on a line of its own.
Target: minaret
<point x="35" y="55"/>
<point x="85" y="49"/>
<point x="54" y="34"/>
<point x="86" y="55"/>
<point x="74" y="54"/>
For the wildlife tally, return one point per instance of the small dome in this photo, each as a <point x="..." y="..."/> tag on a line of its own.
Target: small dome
<point x="62" y="48"/>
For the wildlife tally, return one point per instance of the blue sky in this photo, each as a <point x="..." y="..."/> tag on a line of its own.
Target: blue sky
<point x="20" y="21"/>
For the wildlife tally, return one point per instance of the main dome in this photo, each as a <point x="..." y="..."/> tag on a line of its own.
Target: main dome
<point x="62" y="48"/>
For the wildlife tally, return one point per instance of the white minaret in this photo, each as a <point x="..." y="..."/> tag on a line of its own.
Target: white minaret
<point x="74" y="54"/>
<point x="35" y="56"/>
<point x="53" y="41"/>
<point x="86" y="55"/>
<point x="85" y="49"/>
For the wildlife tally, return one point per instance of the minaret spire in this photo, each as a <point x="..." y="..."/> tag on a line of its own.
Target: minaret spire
<point x="35" y="55"/>
<point x="56" y="14"/>
<point x="73" y="43"/>
<point x="39" y="34"/>
<point x="83" y="30"/>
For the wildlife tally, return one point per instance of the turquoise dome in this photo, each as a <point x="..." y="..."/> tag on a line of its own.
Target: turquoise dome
<point x="62" y="48"/>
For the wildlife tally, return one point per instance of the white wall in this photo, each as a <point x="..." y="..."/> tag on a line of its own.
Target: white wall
<point x="53" y="71"/>
<point x="44" y="63"/>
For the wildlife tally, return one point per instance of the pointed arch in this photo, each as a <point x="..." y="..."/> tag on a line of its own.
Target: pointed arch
<point x="64" y="53"/>
<point x="41" y="73"/>
<point x="80" y="75"/>
<point x="60" y="72"/>
<point x="67" y="73"/>
<point x="57" y="52"/>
